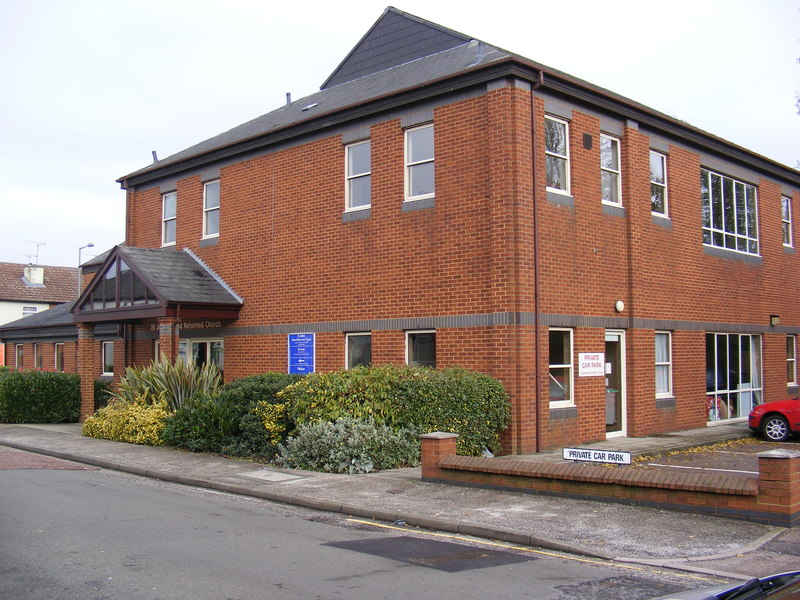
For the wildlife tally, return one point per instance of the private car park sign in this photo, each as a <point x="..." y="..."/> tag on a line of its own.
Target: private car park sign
<point x="600" y="456"/>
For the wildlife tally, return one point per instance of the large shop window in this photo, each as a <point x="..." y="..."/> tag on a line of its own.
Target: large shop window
<point x="733" y="375"/>
<point x="560" y="370"/>
<point x="730" y="213"/>
<point x="421" y="348"/>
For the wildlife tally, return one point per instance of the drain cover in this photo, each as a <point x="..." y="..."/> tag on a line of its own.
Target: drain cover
<point x="434" y="554"/>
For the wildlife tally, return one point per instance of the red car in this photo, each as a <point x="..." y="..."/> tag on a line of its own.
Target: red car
<point x="776" y="421"/>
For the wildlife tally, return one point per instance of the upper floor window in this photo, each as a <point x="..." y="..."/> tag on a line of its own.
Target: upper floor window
<point x="421" y="348"/>
<point x="359" y="349"/>
<point x="359" y="175"/>
<point x="791" y="360"/>
<point x="658" y="183"/>
<point x="556" y="150"/>
<point x="29" y="310"/>
<point x="730" y="213"/>
<point x="169" y="206"/>
<point x="610" y="170"/>
<point x="419" y="163"/>
<point x="663" y="364"/>
<point x="786" y="220"/>
<point x="560" y="370"/>
<point x="211" y="209"/>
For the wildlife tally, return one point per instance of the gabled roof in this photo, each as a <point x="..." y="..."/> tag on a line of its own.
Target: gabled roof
<point x="135" y="283"/>
<point x="395" y="38"/>
<point x="60" y="284"/>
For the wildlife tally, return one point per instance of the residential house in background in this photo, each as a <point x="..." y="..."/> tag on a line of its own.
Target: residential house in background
<point x="441" y="201"/>
<point x="30" y="289"/>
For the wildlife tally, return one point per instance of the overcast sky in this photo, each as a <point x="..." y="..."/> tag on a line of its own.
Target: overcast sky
<point x="90" y="87"/>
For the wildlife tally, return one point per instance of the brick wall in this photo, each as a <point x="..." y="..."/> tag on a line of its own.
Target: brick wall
<point x="284" y="247"/>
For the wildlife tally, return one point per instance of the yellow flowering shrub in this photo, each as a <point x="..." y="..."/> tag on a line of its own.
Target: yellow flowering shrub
<point x="134" y="422"/>
<point x="274" y="418"/>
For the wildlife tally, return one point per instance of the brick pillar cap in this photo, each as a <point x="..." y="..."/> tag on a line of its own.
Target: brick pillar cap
<point x="779" y="453"/>
<point x="438" y="435"/>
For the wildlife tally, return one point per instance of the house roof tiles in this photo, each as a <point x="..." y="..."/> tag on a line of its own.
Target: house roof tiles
<point x="60" y="284"/>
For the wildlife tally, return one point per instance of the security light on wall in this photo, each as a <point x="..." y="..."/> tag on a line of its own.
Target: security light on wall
<point x="619" y="306"/>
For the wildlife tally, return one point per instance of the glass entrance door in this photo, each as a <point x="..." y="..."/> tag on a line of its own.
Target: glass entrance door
<point x="615" y="384"/>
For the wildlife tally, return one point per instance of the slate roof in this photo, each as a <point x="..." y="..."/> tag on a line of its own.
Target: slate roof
<point x="60" y="284"/>
<point x="402" y="54"/>
<point x="179" y="276"/>
<point x="58" y="315"/>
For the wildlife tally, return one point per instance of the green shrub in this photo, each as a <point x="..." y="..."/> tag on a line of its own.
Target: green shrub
<point x="138" y="422"/>
<point x="472" y="404"/>
<point x="102" y="393"/>
<point x="350" y="446"/>
<point x="360" y="393"/>
<point x="242" y="419"/>
<point x="175" y="383"/>
<point x="39" y="397"/>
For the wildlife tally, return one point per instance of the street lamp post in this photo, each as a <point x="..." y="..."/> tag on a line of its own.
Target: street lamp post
<point x="80" y="271"/>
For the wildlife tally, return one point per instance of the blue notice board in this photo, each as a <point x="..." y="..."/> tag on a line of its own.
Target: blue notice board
<point x="301" y="353"/>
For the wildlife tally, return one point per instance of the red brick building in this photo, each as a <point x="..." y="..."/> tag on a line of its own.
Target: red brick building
<point x="442" y="201"/>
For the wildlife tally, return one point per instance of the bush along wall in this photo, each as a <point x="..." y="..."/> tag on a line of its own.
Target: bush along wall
<point x="39" y="397"/>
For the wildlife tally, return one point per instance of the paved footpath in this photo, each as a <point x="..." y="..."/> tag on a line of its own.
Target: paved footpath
<point x="619" y="532"/>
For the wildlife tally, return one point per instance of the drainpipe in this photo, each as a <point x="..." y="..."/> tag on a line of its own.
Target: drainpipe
<point x="537" y="341"/>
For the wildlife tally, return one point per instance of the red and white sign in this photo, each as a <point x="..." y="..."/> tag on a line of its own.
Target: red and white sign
<point x="591" y="364"/>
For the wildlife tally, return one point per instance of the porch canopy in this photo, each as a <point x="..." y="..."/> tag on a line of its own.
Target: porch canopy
<point x="143" y="283"/>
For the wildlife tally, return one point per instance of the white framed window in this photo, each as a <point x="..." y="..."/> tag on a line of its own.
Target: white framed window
<point x="206" y="351"/>
<point x="560" y="370"/>
<point x="37" y="356"/>
<point x="730" y="213"/>
<point x="108" y="358"/>
<point x="358" y="349"/>
<point x="610" y="180"/>
<point x="733" y="375"/>
<point x="791" y="360"/>
<point x="211" y="209"/>
<point x="29" y="310"/>
<point x="421" y="348"/>
<point x="420" y="171"/>
<point x="358" y="175"/>
<point x="786" y="221"/>
<point x="169" y="213"/>
<point x="658" y="183"/>
<point x="556" y="152"/>
<point x="58" y="357"/>
<point x="19" y="355"/>
<point x="663" y="364"/>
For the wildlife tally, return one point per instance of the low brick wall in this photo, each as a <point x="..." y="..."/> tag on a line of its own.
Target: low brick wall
<point x="773" y="497"/>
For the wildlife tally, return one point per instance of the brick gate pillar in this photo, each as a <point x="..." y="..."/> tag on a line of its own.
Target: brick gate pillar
<point x="168" y="337"/>
<point x="779" y="483"/>
<point x="88" y="367"/>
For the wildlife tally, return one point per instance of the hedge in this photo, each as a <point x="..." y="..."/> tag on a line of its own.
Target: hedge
<point x="39" y="397"/>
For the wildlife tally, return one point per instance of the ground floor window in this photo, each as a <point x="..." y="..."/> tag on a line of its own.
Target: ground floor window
<point x="421" y="348"/>
<point x="560" y="368"/>
<point x="202" y="352"/>
<point x="358" y="349"/>
<point x="58" y="357"/>
<point x="108" y="358"/>
<point x="37" y="356"/>
<point x="663" y="364"/>
<point x="733" y="375"/>
<point x="19" y="354"/>
<point x="791" y="360"/>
